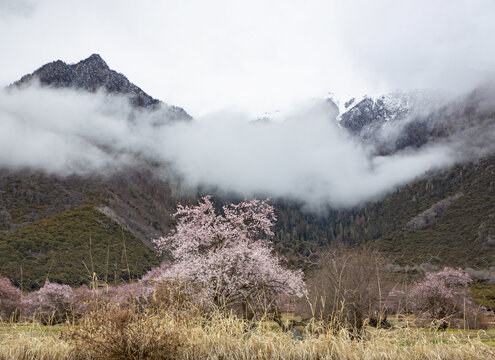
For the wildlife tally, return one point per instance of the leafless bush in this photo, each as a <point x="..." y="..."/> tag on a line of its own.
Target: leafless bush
<point x="346" y="287"/>
<point x="178" y="297"/>
<point x="116" y="333"/>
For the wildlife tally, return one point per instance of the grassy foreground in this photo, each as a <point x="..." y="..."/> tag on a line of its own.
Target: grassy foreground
<point x="220" y="337"/>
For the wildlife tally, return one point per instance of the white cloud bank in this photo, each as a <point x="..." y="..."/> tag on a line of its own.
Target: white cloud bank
<point x="306" y="157"/>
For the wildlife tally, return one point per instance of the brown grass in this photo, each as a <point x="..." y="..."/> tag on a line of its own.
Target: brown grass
<point x="125" y="334"/>
<point x="165" y="335"/>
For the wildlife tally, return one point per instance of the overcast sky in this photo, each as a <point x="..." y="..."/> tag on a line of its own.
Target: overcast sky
<point x="257" y="56"/>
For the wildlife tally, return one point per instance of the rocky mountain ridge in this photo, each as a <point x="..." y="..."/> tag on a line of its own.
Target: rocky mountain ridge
<point x="93" y="74"/>
<point x="414" y="119"/>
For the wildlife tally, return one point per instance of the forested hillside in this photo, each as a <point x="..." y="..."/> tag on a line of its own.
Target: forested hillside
<point x="461" y="234"/>
<point x="73" y="247"/>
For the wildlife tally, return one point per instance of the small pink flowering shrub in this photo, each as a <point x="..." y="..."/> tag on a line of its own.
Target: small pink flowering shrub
<point x="10" y="299"/>
<point x="51" y="304"/>
<point x="443" y="295"/>
<point x="83" y="300"/>
<point x="229" y="254"/>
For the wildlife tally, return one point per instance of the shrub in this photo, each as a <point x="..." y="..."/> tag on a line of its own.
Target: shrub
<point x="178" y="298"/>
<point x="51" y="304"/>
<point x="127" y="294"/>
<point x="10" y="299"/>
<point x="345" y="287"/>
<point x="397" y="302"/>
<point x="83" y="300"/>
<point x="443" y="295"/>
<point x="117" y="333"/>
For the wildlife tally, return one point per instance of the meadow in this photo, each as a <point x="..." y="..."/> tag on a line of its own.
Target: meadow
<point x="164" y="335"/>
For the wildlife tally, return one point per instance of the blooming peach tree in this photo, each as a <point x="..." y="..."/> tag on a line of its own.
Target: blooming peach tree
<point x="442" y="294"/>
<point x="229" y="254"/>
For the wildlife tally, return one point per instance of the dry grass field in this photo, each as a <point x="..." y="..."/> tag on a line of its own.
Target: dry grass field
<point x="125" y="335"/>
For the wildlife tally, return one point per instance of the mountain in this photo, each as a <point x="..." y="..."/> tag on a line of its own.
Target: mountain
<point x="47" y="221"/>
<point x="40" y="222"/>
<point x="413" y="119"/>
<point x="367" y="115"/>
<point x="67" y="227"/>
<point x="447" y="217"/>
<point x="93" y="74"/>
<point x="391" y="122"/>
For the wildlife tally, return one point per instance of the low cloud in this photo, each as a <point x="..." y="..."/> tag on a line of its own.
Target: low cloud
<point x="308" y="157"/>
<point x="305" y="157"/>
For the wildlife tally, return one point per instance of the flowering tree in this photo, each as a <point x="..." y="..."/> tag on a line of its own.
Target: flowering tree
<point x="229" y="254"/>
<point x="51" y="304"/>
<point x="442" y="294"/>
<point x="10" y="298"/>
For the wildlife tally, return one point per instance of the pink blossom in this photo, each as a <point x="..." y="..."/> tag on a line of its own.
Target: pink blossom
<point x="442" y="294"/>
<point x="51" y="303"/>
<point x="10" y="298"/>
<point x="230" y="254"/>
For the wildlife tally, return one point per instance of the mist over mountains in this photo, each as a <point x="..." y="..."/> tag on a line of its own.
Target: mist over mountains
<point x="88" y="119"/>
<point x="83" y="149"/>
